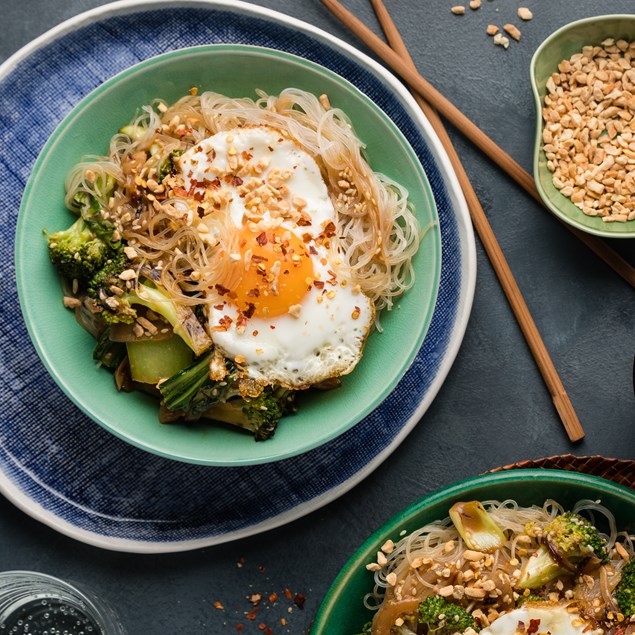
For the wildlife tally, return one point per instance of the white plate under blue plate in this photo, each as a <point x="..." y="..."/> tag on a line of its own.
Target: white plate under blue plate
<point x="65" y="470"/>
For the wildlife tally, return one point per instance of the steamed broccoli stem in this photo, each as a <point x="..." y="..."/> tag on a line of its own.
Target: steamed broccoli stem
<point x="77" y="252"/>
<point x="154" y="360"/>
<point x="540" y="569"/>
<point x="476" y="527"/>
<point x="625" y="591"/>
<point x="258" y="415"/>
<point x="191" y="389"/>
<point x="181" y="317"/>
<point x="444" y="618"/>
<point x="108" y="353"/>
<point x="568" y="542"/>
<point x="120" y="308"/>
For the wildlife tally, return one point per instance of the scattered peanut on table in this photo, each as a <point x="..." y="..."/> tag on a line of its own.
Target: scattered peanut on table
<point x="512" y="30"/>
<point x="589" y="129"/>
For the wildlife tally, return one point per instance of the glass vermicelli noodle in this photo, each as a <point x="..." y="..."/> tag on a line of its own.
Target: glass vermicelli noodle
<point x="252" y="229"/>
<point x="541" y="569"/>
<point x="377" y="232"/>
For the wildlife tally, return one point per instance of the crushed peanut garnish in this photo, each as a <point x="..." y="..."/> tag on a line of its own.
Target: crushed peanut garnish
<point x="512" y="30"/>
<point x="525" y="14"/>
<point x="588" y="135"/>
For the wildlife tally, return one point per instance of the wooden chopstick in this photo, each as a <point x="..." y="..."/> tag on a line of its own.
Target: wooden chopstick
<point x="472" y="132"/>
<point x="499" y="263"/>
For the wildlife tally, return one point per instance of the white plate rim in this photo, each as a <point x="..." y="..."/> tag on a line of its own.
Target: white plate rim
<point x="464" y="303"/>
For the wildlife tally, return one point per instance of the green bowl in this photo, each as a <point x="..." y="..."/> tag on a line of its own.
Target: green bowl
<point x="66" y="349"/>
<point x="559" y="46"/>
<point x="342" y="611"/>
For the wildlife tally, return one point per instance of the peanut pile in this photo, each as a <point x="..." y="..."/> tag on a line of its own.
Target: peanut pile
<point x="589" y="130"/>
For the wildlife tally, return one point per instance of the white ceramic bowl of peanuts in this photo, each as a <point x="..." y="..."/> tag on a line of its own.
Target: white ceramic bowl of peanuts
<point x="583" y="78"/>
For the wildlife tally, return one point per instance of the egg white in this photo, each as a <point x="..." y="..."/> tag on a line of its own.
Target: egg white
<point x="552" y="618"/>
<point x="325" y="336"/>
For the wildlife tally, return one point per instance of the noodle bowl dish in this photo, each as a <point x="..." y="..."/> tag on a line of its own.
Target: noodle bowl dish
<point x="506" y="567"/>
<point x="234" y="248"/>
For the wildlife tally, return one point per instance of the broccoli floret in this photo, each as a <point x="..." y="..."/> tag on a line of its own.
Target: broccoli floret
<point x="625" y="591"/>
<point x="77" y="252"/>
<point x="366" y="629"/>
<point x="90" y="205"/>
<point x="528" y="598"/>
<point x="117" y="302"/>
<point x="192" y="394"/>
<point x="576" y="537"/>
<point x="568" y="542"/>
<point x="444" y="618"/>
<point x="258" y="415"/>
<point x="101" y="283"/>
<point x="476" y="527"/>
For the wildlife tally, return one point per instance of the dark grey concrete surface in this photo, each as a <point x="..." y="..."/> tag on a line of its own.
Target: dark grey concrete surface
<point x="493" y="408"/>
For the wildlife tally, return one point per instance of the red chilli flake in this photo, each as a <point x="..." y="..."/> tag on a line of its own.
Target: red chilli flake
<point x="225" y="320"/>
<point x="329" y="230"/>
<point x="288" y="594"/>
<point x="250" y="310"/>
<point x="312" y="250"/>
<point x="221" y="289"/>
<point x="300" y="599"/>
<point x="534" y="625"/>
<point x="240" y="628"/>
<point x="261" y="239"/>
<point x="318" y="284"/>
<point x="180" y="191"/>
<point x="236" y="181"/>
<point x="218" y="605"/>
<point x="252" y="614"/>
<point x="521" y="625"/>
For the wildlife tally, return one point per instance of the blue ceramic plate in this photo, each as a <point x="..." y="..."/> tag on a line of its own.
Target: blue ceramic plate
<point x="67" y="351"/>
<point x="57" y="464"/>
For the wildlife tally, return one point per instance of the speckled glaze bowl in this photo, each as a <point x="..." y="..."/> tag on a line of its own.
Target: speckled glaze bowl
<point x="561" y="45"/>
<point x="342" y="611"/>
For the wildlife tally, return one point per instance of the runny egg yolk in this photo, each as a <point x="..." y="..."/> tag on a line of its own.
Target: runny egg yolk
<point x="275" y="272"/>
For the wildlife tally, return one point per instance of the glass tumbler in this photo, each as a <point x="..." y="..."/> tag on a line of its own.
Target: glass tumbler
<point x="34" y="603"/>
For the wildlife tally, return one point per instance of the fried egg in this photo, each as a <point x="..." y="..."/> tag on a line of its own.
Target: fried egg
<point x="540" y="618"/>
<point x="285" y="311"/>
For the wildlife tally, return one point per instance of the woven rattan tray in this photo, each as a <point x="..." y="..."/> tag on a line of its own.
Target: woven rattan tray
<point x="617" y="470"/>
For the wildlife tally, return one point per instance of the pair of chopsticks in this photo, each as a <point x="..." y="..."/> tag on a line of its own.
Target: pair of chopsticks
<point x="401" y="63"/>
<point x="429" y="98"/>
